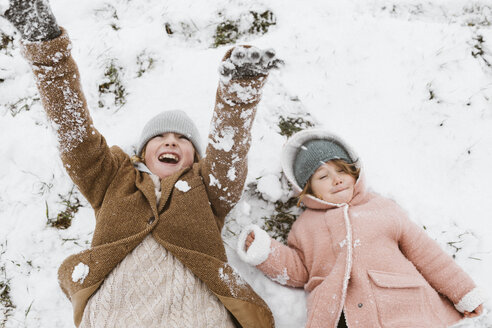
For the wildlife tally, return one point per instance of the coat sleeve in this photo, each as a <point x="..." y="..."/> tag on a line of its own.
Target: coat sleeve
<point x="437" y="267"/>
<point x="281" y="263"/>
<point x="224" y="167"/>
<point x="84" y="152"/>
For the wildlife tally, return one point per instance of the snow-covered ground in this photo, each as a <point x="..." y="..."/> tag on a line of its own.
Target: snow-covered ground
<point x="408" y="83"/>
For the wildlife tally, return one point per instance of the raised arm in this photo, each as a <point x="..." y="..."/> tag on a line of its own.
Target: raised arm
<point x="243" y="73"/>
<point x="84" y="152"/>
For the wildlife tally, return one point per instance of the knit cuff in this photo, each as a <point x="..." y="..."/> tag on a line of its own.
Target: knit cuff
<point x="260" y="248"/>
<point x="47" y="52"/>
<point x="470" y="301"/>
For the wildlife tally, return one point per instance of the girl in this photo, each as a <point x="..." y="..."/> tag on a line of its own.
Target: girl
<point x="157" y="257"/>
<point x="362" y="261"/>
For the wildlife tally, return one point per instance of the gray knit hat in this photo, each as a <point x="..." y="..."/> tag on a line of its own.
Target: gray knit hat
<point x="315" y="153"/>
<point x="170" y="121"/>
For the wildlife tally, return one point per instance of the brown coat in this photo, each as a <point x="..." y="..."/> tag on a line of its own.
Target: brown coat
<point x="188" y="224"/>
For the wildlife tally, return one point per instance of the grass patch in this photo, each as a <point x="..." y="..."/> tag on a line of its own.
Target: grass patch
<point x="6" y="42"/>
<point x="280" y="222"/>
<point x="290" y="125"/>
<point x="113" y="86"/>
<point x="227" y="32"/>
<point x="186" y="29"/>
<point x="262" y="22"/>
<point x="478" y="50"/>
<point x="22" y="105"/>
<point x="109" y="12"/>
<point x="478" y="15"/>
<point x="252" y="22"/>
<point x="6" y="304"/>
<point x="63" y="219"/>
<point x="145" y="63"/>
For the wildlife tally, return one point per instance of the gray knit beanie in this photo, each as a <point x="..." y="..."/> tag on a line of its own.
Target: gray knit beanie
<point x="314" y="153"/>
<point x="170" y="121"/>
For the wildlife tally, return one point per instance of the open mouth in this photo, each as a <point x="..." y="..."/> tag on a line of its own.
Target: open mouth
<point x="168" y="158"/>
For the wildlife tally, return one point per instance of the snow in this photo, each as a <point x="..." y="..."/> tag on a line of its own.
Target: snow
<point x="270" y="187"/>
<point x="224" y="142"/>
<point x="357" y="243"/>
<point x="182" y="186"/>
<point x="80" y="272"/>
<point x="245" y="94"/>
<point x="4" y="5"/>
<point x="214" y="181"/>
<point x="233" y="280"/>
<point x="282" y="278"/>
<point x="231" y="173"/>
<point x="402" y="81"/>
<point x="343" y="243"/>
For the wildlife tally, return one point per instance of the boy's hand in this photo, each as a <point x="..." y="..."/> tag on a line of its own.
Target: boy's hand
<point x="249" y="240"/>
<point x="247" y="61"/>
<point x="475" y="313"/>
<point x="33" y="19"/>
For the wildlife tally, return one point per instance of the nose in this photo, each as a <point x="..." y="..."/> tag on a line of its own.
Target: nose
<point x="337" y="180"/>
<point x="170" y="140"/>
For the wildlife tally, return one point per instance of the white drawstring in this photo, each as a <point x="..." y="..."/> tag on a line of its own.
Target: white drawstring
<point x="348" y="264"/>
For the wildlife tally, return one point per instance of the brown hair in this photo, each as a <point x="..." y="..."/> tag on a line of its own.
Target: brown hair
<point x="350" y="169"/>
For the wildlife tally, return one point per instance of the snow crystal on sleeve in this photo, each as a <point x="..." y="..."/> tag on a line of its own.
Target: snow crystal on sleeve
<point x="231" y="173"/>
<point x="233" y="281"/>
<point x="182" y="186"/>
<point x="80" y="272"/>
<point x="282" y="278"/>
<point x="245" y="94"/>
<point x="214" y="181"/>
<point x="226" y="142"/>
<point x="70" y="125"/>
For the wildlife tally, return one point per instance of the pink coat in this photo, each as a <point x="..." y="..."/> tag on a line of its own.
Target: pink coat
<point x="367" y="259"/>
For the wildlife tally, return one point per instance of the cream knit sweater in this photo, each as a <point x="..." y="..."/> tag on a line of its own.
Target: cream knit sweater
<point x="151" y="288"/>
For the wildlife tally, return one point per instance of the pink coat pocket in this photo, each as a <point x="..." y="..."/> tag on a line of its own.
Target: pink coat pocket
<point x="401" y="300"/>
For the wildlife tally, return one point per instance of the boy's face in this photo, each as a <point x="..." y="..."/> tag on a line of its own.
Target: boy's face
<point x="330" y="183"/>
<point x="168" y="153"/>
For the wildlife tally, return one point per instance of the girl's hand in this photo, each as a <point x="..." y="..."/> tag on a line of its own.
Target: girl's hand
<point x="475" y="313"/>
<point x="250" y="239"/>
<point x="33" y="19"/>
<point x="247" y="61"/>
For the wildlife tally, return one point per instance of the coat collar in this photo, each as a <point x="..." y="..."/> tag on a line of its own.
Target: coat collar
<point x="146" y="185"/>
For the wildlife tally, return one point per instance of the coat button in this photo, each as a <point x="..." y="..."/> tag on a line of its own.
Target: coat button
<point x="359" y="305"/>
<point x="151" y="219"/>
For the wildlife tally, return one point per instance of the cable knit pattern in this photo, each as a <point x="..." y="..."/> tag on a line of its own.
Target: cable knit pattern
<point x="151" y="288"/>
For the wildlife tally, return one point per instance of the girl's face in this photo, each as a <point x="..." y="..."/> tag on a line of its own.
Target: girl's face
<point x="168" y="153"/>
<point x="331" y="184"/>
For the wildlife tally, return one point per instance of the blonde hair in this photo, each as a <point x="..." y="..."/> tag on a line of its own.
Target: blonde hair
<point x="351" y="169"/>
<point x="139" y="158"/>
